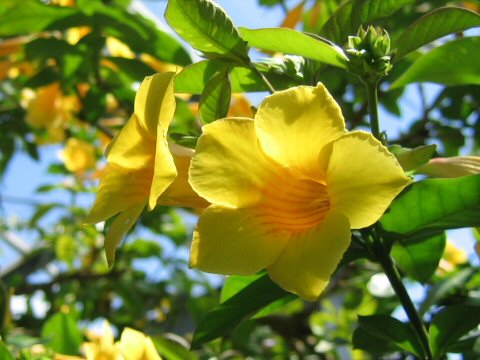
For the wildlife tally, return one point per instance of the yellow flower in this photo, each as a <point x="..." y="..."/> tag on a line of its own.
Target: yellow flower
<point x="143" y="168"/>
<point x="133" y="345"/>
<point x="286" y="189"/>
<point x="78" y="156"/>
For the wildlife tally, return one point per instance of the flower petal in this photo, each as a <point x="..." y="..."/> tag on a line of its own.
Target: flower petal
<point x="235" y="241"/>
<point x="180" y="193"/>
<point x="155" y="102"/>
<point x="119" y="229"/>
<point x="310" y="258"/>
<point x="229" y="168"/>
<point x="293" y="126"/>
<point x="119" y="190"/>
<point x="362" y="177"/>
<point x="133" y="147"/>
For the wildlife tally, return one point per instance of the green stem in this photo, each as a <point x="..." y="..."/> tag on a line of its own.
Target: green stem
<point x="412" y="313"/>
<point x="267" y="83"/>
<point x="372" y="99"/>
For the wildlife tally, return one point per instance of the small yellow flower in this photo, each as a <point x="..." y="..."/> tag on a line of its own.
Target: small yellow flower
<point x="143" y="168"/>
<point x="134" y="345"/>
<point x="78" y="156"/>
<point x="286" y="189"/>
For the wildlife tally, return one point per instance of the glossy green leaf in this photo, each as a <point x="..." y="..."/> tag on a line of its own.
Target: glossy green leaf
<point x="225" y="317"/>
<point x="207" y="28"/>
<point x="289" y="41"/>
<point x="411" y="159"/>
<point x="346" y="20"/>
<point x="194" y="78"/>
<point x="62" y="334"/>
<point x="434" y="25"/>
<point x="393" y="331"/>
<point x="450" y="324"/>
<point x="419" y="260"/>
<point x="215" y="100"/>
<point x="455" y="63"/>
<point x="31" y="17"/>
<point x="429" y="207"/>
<point x="172" y="348"/>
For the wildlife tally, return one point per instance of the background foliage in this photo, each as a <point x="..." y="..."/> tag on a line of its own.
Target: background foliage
<point x="68" y="72"/>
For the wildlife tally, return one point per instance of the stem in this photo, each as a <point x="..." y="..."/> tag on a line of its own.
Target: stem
<point x="271" y="89"/>
<point x="412" y="313"/>
<point x="372" y="99"/>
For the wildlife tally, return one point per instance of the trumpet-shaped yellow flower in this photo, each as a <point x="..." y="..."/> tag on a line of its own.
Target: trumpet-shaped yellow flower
<point x="286" y="188"/>
<point x="143" y="168"/>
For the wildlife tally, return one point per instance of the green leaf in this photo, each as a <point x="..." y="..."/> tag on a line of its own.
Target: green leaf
<point x="454" y="63"/>
<point x="393" y="331"/>
<point x="411" y="159"/>
<point x="207" y="28"/>
<point x="225" y="317"/>
<point x="171" y="348"/>
<point x="215" y="100"/>
<point x="62" y="333"/>
<point x="194" y="78"/>
<point x="294" y="42"/>
<point x="419" y="260"/>
<point x="440" y="290"/>
<point x="450" y="324"/>
<point x="432" y="26"/>
<point x="364" y="340"/>
<point x="466" y="345"/>
<point x="5" y="354"/>
<point x="431" y="206"/>
<point x="135" y="69"/>
<point x="347" y="19"/>
<point x="31" y="17"/>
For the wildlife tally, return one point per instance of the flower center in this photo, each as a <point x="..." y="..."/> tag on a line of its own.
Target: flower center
<point x="294" y="204"/>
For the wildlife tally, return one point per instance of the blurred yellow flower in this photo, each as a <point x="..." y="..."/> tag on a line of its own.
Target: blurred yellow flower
<point x="78" y="156"/>
<point x="143" y="168"/>
<point x="133" y="345"/>
<point x="286" y="189"/>
<point x="452" y="257"/>
<point x="48" y="108"/>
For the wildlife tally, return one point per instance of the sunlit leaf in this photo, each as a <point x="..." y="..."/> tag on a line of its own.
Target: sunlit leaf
<point x="207" y="28"/>
<point x="216" y="96"/>
<point x="294" y="42"/>
<point x="225" y="317"/>
<point x="347" y="19"/>
<point x="419" y="260"/>
<point x="434" y="25"/>
<point x="450" y="324"/>
<point x="62" y="334"/>
<point x="454" y="63"/>
<point x="411" y="159"/>
<point x="392" y="331"/>
<point x="4" y="352"/>
<point x="431" y="206"/>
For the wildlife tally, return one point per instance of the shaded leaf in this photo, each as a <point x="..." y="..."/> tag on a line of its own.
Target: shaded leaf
<point x="62" y="334"/>
<point x="294" y="42"/>
<point x="225" y="317"/>
<point x="347" y="19"/>
<point x="450" y="324"/>
<point x="454" y="63"/>
<point x="364" y="340"/>
<point x="419" y="260"/>
<point x="207" y="28"/>
<point x="215" y="100"/>
<point x="393" y="331"/>
<point x="434" y="25"/>
<point x="134" y="68"/>
<point x="171" y="349"/>
<point x="441" y="289"/>
<point x="411" y="159"/>
<point x="431" y="206"/>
